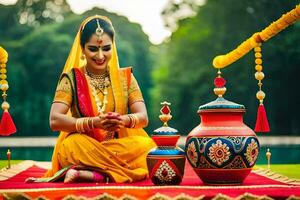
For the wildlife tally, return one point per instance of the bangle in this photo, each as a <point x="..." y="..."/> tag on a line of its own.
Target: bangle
<point x="86" y="123"/>
<point x="134" y="120"/>
<point x="80" y="125"/>
<point x="92" y="123"/>
<point x="76" y="125"/>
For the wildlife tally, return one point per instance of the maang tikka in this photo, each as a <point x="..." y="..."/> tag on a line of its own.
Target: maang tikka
<point x="99" y="31"/>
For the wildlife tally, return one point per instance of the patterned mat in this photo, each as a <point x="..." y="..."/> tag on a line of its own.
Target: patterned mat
<point x="260" y="184"/>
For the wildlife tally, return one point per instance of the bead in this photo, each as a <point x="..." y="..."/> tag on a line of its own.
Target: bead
<point x="260" y="95"/>
<point x="2" y="82"/>
<point x="257" y="49"/>
<point x="259" y="76"/>
<point x="258" y="55"/>
<point x="258" y="68"/>
<point x="4" y="87"/>
<point x="3" y="65"/>
<point x="3" y="76"/>
<point x="3" y="70"/>
<point x="219" y="82"/>
<point x="258" y="61"/>
<point x="220" y="91"/>
<point x="5" y="105"/>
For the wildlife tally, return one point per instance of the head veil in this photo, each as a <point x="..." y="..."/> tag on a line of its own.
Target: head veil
<point x="74" y="61"/>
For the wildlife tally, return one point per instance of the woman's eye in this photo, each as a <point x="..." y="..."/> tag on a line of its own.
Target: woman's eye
<point x="106" y="48"/>
<point x="93" y="49"/>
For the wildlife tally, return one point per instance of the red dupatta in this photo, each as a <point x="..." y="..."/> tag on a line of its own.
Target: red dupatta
<point x="84" y="102"/>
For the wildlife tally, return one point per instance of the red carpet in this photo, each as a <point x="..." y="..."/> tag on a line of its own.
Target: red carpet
<point x="191" y="187"/>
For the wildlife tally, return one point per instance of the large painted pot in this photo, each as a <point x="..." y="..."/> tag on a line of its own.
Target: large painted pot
<point x="222" y="149"/>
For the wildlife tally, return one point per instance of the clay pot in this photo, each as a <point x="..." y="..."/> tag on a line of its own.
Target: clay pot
<point x="222" y="149"/>
<point x="166" y="161"/>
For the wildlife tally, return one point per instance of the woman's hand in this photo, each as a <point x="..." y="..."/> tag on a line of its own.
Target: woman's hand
<point x="110" y="121"/>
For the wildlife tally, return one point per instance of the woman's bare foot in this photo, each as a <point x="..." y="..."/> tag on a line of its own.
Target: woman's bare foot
<point x="72" y="176"/>
<point x="76" y="176"/>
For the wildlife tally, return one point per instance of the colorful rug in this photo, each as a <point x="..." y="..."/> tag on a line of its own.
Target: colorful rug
<point x="260" y="184"/>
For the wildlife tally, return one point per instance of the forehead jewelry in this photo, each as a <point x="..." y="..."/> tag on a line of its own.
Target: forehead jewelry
<point x="99" y="32"/>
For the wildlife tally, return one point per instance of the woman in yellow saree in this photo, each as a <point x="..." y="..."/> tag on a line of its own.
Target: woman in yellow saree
<point x="99" y="134"/>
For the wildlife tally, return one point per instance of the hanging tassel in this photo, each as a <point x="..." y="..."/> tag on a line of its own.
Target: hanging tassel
<point x="7" y="125"/>
<point x="262" y="124"/>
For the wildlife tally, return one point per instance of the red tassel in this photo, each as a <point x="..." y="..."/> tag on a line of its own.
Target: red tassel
<point x="7" y="126"/>
<point x="262" y="124"/>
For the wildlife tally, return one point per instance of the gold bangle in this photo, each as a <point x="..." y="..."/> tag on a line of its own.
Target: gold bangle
<point x="81" y="125"/>
<point x="76" y="125"/>
<point x="134" y="120"/>
<point x="131" y="125"/>
<point x="92" y="122"/>
<point x="86" y="124"/>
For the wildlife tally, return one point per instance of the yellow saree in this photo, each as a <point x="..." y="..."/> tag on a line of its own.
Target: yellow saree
<point x="122" y="159"/>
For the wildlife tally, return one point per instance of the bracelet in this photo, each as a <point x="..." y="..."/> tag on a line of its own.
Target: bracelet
<point x="134" y="120"/>
<point x="81" y="123"/>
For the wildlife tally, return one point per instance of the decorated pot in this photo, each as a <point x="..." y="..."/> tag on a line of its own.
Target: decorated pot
<point x="222" y="149"/>
<point x="166" y="161"/>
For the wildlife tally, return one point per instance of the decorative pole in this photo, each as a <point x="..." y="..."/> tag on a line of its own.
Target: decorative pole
<point x="268" y="155"/>
<point x="8" y="158"/>
<point x="7" y="126"/>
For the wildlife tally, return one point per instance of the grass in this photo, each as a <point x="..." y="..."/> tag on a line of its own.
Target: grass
<point x="289" y="170"/>
<point x="3" y="163"/>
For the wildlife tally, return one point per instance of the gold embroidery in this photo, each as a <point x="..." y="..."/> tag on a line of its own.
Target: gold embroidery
<point x="64" y="92"/>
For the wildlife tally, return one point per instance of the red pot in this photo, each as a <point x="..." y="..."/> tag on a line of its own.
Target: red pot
<point x="222" y="149"/>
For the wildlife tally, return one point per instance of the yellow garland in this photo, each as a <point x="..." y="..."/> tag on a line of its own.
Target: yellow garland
<point x="284" y="21"/>
<point x="3" y="56"/>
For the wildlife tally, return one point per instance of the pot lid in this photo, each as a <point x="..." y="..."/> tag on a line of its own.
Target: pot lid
<point x="221" y="103"/>
<point x="165" y="130"/>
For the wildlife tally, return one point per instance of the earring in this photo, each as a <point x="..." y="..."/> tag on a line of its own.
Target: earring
<point x="82" y="57"/>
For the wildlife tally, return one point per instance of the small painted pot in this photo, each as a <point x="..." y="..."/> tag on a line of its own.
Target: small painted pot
<point x="166" y="161"/>
<point x="166" y="165"/>
<point x="222" y="149"/>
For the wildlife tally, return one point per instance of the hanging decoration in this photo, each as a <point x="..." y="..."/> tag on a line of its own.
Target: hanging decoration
<point x="7" y="126"/>
<point x="255" y="41"/>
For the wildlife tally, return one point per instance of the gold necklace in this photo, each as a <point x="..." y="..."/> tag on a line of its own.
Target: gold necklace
<point x="98" y="81"/>
<point x="102" y="82"/>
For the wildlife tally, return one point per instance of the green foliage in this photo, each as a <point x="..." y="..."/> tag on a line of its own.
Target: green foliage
<point x="219" y="27"/>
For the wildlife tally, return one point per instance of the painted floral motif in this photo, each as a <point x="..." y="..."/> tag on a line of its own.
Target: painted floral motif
<point x="219" y="153"/>
<point x="165" y="173"/>
<point x="252" y="152"/>
<point x="192" y="153"/>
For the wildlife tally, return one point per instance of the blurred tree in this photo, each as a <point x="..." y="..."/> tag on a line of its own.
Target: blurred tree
<point x="37" y="12"/>
<point x="185" y="76"/>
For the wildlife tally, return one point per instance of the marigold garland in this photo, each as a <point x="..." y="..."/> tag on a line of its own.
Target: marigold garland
<point x="274" y="28"/>
<point x="255" y="41"/>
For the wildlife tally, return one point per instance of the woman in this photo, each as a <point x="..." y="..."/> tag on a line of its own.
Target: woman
<point x="99" y="138"/>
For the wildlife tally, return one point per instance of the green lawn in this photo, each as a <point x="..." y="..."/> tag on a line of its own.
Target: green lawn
<point x="3" y="163"/>
<point x="291" y="171"/>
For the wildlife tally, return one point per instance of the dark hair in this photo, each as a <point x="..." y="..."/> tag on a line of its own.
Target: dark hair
<point x="90" y="28"/>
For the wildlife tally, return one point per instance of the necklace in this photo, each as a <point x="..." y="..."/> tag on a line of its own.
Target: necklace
<point x="99" y="82"/>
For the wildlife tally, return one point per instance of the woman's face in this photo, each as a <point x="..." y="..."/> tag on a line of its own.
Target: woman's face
<point x="98" y="53"/>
